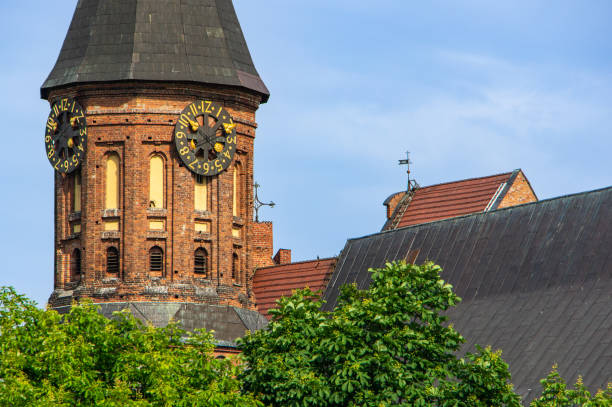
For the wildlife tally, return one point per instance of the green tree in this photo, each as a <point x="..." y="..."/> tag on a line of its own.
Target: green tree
<point x="385" y="345"/>
<point x="556" y="394"/>
<point x="85" y="359"/>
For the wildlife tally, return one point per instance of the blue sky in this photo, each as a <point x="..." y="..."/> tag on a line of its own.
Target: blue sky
<point x="471" y="88"/>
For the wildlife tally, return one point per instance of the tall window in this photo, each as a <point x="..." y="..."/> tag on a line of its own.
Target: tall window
<point x="112" y="260"/>
<point x="156" y="259"/>
<point x="235" y="267"/>
<point x="200" y="262"/>
<point x="76" y="192"/>
<point x="201" y="193"/>
<point x="112" y="181"/>
<point x="236" y="194"/>
<point x="75" y="265"/>
<point x="156" y="182"/>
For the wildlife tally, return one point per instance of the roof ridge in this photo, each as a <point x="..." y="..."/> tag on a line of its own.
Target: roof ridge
<point x="297" y="262"/>
<point x="464" y="180"/>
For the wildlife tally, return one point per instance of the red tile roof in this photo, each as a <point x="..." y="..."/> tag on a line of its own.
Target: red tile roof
<point x="451" y="199"/>
<point x="271" y="283"/>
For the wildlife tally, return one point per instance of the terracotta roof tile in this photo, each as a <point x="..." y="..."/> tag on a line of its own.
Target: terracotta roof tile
<point x="451" y="199"/>
<point x="271" y="283"/>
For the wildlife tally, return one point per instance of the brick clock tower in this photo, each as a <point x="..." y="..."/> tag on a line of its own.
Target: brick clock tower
<point x="150" y="136"/>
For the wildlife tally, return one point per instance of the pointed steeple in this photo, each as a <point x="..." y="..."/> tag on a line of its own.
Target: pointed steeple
<point x="197" y="41"/>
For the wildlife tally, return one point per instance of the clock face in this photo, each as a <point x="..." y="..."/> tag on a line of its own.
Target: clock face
<point x="66" y="135"/>
<point x="205" y="138"/>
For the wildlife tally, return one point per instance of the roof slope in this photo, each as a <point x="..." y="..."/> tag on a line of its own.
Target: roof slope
<point x="536" y="281"/>
<point x="271" y="283"/>
<point x="155" y="40"/>
<point x="451" y="199"/>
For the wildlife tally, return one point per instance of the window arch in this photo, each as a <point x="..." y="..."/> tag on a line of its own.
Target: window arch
<point x="75" y="265"/>
<point x="235" y="267"/>
<point x="156" y="182"/>
<point x="76" y="192"/>
<point x="112" y="182"/>
<point x="201" y="193"/>
<point x="156" y="259"/>
<point x="200" y="262"/>
<point x="112" y="260"/>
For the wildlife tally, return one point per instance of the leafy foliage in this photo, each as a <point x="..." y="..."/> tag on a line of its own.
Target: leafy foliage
<point x="85" y="359"/>
<point x="556" y="394"/>
<point x="385" y="345"/>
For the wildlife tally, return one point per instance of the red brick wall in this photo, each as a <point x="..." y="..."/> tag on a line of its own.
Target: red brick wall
<point x="262" y="246"/>
<point x="392" y="203"/>
<point x="520" y="192"/>
<point x="136" y="121"/>
<point x="283" y="256"/>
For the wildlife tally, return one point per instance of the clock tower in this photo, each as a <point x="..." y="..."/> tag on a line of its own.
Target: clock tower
<point x="150" y="137"/>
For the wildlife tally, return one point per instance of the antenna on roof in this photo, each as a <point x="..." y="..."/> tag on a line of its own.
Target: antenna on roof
<point x="411" y="183"/>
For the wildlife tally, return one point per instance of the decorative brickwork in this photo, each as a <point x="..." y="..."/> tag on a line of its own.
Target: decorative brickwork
<point x="136" y="121"/>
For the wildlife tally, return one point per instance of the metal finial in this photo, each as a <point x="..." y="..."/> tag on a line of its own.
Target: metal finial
<point x="258" y="204"/>
<point x="407" y="162"/>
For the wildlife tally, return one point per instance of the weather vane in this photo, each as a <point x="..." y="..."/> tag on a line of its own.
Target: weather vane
<point x="258" y="204"/>
<point x="407" y="162"/>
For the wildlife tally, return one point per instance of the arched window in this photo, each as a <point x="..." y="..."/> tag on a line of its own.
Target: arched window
<point x="75" y="265"/>
<point x="76" y="192"/>
<point x="156" y="259"/>
<point x="112" y="182"/>
<point x="236" y="192"/>
<point x="200" y="262"/>
<point x="112" y="260"/>
<point x="235" y="267"/>
<point x="156" y="182"/>
<point x="201" y="193"/>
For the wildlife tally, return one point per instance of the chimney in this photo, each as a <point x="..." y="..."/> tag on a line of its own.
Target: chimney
<point x="283" y="256"/>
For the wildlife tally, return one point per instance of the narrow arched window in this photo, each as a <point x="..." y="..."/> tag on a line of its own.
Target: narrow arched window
<point x="76" y="193"/>
<point x="200" y="262"/>
<point x="236" y="190"/>
<point x="156" y="259"/>
<point x="156" y="182"/>
<point x="235" y="267"/>
<point x="75" y="265"/>
<point x="235" y="195"/>
<point x="112" y="260"/>
<point x="201" y="193"/>
<point x="112" y="182"/>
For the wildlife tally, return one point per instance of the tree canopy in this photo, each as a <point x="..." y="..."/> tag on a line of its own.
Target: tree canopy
<point x="556" y="394"/>
<point x="85" y="359"/>
<point x="387" y="345"/>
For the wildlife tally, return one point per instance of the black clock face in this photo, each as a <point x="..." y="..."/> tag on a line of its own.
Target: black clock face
<point x="205" y="138"/>
<point x="66" y="135"/>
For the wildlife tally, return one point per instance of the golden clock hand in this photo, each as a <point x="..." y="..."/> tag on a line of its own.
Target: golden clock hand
<point x="194" y="125"/>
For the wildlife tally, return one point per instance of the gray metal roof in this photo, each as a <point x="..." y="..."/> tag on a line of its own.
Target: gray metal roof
<point x="536" y="282"/>
<point x="228" y="323"/>
<point x="197" y="41"/>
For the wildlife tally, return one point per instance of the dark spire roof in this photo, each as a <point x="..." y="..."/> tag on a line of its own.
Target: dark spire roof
<point x="155" y="40"/>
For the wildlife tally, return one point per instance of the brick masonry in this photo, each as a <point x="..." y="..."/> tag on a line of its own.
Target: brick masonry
<point x="520" y="192"/>
<point x="282" y="256"/>
<point x="136" y="121"/>
<point x="392" y="201"/>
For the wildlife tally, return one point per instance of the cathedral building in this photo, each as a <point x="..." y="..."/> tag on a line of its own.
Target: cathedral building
<point x="151" y="135"/>
<point x="151" y="138"/>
